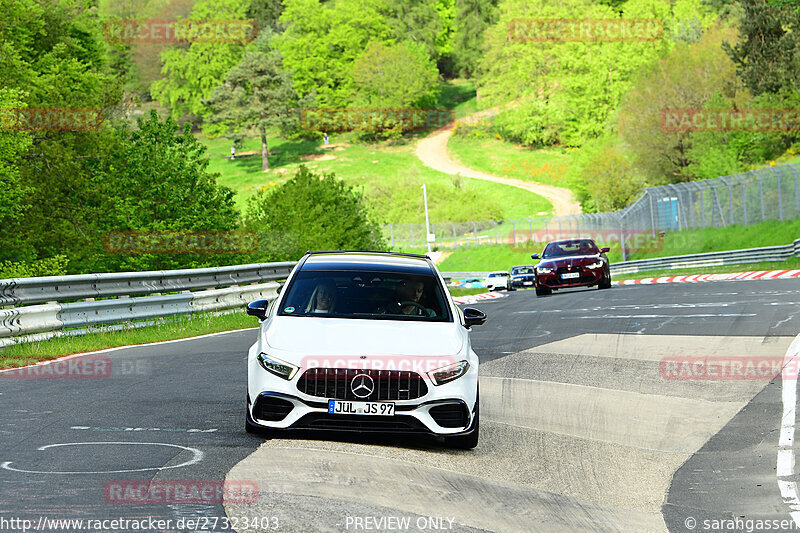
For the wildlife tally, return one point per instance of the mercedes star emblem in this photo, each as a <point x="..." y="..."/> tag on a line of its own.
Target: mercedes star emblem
<point x="362" y="385"/>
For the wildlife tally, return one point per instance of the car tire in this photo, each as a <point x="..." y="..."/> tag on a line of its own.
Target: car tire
<point x="470" y="440"/>
<point x="543" y="291"/>
<point x="605" y="283"/>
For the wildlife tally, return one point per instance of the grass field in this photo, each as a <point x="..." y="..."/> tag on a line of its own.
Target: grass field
<point x="179" y="327"/>
<point x="390" y="176"/>
<point x="506" y="159"/>
<point x="789" y="264"/>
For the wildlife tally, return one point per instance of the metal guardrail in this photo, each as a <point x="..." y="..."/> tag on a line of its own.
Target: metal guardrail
<point x="732" y="257"/>
<point x="223" y="288"/>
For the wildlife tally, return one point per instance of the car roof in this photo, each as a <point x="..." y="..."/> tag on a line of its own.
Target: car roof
<point x="499" y="272"/>
<point x="369" y="261"/>
<point x="562" y="241"/>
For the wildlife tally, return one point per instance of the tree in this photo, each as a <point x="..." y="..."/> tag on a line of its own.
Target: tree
<point x="423" y="22"/>
<point x="767" y="54"/>
<point x="323" y="39"/>
<point x="193" y="72"/>
<point x="257" y="93"/>
<point x="472" y="19"/>
<point x="396" y="75"/>
<point x="311" y="212"/>
<point x="689" y="77"/>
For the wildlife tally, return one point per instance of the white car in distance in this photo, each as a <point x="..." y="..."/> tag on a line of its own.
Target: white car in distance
<point x="499" y="279"/>
<point x="364" y="341"/>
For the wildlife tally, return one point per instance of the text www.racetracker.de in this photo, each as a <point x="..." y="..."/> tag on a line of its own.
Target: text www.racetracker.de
<point x="142" y="524"/>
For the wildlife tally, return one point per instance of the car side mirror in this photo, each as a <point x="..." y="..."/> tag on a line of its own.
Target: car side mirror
<point x="473" y="317"/>
<point x="258" y="309"/>
<point x="535" y="256"/>
<point x="605" y="249"/>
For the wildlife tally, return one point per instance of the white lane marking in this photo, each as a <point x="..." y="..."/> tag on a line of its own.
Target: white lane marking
<point x="785" y="459"/>
<point x="710" y="315"/>
<point x="120" y="429"/>
<point x="197" y="456"/>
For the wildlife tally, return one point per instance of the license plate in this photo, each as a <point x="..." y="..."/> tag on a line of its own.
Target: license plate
<point x="527" y="283"/>
<point x="571" y="275"/>
<point x="339" y="407"/>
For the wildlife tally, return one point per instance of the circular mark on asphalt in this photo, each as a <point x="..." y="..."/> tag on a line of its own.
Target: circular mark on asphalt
<point x="197" y="456"/>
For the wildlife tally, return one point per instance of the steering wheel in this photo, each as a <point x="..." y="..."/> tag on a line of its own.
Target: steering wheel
<point x="415" y="304"/>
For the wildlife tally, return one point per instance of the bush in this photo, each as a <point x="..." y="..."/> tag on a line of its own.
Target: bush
<point x="311" y="212"/>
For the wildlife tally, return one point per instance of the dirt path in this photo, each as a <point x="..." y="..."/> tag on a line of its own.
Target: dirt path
<point x="432" y="151"/>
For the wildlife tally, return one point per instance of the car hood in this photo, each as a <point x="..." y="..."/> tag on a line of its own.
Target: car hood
<point x="344" y="336"/>
<point x="572" y="260"/>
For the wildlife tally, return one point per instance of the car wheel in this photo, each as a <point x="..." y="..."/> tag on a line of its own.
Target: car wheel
<point x="605" y="283"/>
<point x="470" y="440"/>
<point x="543" y="291"/>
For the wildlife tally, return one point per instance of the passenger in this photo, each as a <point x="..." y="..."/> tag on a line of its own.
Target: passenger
<point x="323" y="298"/>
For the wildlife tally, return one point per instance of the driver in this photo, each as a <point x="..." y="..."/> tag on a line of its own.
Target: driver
<point x="407" y="298"/>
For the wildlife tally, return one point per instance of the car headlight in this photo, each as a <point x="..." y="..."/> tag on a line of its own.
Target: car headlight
<point x="448" y="373"/>
<point x="593" y="266"/>
<point x="282" y="369"/>
<point x="544" y="270"/>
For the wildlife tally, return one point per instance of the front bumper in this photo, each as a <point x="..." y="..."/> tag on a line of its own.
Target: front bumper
<point x="523" y="282"/>
<point x="587" y="278"/>
<point x="444" y="410"/>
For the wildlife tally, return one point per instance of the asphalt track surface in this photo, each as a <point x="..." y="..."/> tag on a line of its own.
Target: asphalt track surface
<point x="580" y="429"/>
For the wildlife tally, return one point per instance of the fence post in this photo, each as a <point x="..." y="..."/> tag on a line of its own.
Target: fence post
<point x="530" y="229"/>
<point x="780" y="199"/>
<point x="391" y="235"/>
<point x="730" y="197"/>
<point x="475" y="231"/>
<point x="513" y="232"/>
<point x="652" y="213"/>
<point x="796" y="192"/>
<point x="495" y="230"/>
<point x="455" y="237"/>
<point x="761" y="193"/>
<point x="411" y="241"/>
<point x="622" y="237"/>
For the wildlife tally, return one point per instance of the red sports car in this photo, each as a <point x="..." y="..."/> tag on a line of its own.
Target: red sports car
<point x="571" y="263"/>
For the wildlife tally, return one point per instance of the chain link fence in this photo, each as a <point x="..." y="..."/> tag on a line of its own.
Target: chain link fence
<point x="756" y="196"/>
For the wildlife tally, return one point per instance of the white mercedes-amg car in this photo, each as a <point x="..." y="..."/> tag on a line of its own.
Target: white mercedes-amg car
<point x="364" y="341"/>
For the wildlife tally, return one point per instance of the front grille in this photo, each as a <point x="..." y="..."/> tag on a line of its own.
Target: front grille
<point x="450" y="415"/>
<point x="272" y="409"/>
<point x="389" y="385"/>
<point x="563" y="270"/>
<point x="400" y="423"/>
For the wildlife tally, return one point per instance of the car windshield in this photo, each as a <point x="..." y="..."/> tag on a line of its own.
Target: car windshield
<point x="565" y="248"/>
<point x="521" y="270"/>
<point x="365" y="294"/>
<point x="498" y="274"/>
